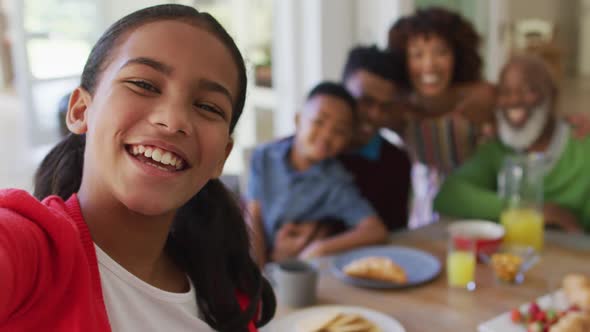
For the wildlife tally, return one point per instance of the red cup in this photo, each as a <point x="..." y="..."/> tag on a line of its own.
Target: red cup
<point x="488" y="235"/>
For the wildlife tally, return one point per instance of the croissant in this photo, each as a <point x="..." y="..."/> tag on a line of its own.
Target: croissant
<point x="577" y="290"/>
<point x="377" y="268"/>
<point x="337" y="322"/>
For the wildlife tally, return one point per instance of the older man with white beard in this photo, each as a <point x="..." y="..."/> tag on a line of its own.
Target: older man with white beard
<point x="527" y="123"/>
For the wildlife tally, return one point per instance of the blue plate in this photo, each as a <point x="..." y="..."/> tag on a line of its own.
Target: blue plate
<point x="420" y="266"/>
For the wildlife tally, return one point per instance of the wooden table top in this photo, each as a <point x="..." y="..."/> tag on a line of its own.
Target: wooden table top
<point x="435" y="306"/>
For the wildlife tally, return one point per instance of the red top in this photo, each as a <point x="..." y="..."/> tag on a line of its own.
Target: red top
<point x="49" y="277"/>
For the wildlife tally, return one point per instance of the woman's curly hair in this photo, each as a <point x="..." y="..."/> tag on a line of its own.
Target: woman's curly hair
<point x="452" y="28"/>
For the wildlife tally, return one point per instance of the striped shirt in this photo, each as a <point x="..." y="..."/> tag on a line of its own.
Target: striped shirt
<point x="441" y="142"/>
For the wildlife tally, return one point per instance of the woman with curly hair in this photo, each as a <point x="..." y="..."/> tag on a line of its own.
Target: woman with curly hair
<point x="448" y="106"/>
<point x="449" y="101"/>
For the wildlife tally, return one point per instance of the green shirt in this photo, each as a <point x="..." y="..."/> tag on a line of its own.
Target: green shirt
<point x="471" y="191"/>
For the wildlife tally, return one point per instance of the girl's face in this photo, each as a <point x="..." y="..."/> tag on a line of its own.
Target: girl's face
<point x="157" y="127"/>
<point x="430" y="64"/>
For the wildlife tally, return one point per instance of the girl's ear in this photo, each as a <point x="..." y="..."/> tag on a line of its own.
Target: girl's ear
<point x="77" y="115"/>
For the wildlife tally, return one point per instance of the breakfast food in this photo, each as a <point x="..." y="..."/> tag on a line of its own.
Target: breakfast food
<point x="577" y="290"/>
<point x="572" y="322"/>
<point x="376" y="268"/>
<point x="334" y="321"/>
<point x="536" y="319"/>
<point x="506" y="266"/>
<point x="576" y="318"/>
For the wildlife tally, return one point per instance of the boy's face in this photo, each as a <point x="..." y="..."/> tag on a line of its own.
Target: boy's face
<point x="324" y="128"/>
<point x="375" y="99"/>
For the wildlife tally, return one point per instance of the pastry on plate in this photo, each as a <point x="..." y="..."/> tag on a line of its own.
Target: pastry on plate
<point x="333" y="321"/>
<point x="376" y="268"/>
<point x="572" y="322"/>
<point x="577" y="290"/>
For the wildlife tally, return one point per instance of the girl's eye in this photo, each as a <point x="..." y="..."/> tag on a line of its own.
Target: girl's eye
<point x="145" y="86"/>
<point x="212" y="109"/>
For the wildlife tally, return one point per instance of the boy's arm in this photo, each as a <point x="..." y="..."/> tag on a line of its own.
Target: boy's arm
<point x="470" y="192"/>
<point x="257" y="230"/>
<point x="370" y="230"/>
<point x="254" y="195"/>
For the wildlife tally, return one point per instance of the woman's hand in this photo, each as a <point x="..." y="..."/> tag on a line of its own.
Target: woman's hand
<point x="477" y="102"/>
<point x="580" y="122"/>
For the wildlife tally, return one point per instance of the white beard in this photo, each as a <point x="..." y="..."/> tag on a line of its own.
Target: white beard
<point x="520" y="139"/>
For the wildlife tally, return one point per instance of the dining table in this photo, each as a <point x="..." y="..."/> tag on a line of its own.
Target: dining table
<point x="434" y="306"/>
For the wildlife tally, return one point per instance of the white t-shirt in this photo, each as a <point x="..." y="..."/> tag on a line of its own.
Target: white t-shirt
<point x="134" y="305"/>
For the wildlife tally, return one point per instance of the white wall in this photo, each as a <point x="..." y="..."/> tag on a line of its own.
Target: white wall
<point x="312" y="40"/>
<point x="375" y="18"/>
<point x="116" y="9"/>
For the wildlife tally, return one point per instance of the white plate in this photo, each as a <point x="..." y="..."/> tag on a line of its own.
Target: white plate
<point x="289" y="322"/>
<point x="503" y="323"/>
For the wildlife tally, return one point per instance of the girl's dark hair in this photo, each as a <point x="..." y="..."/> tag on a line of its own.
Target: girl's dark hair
<point x="455" y="30"/>
<point x="336" y="90"/>
<point x="208" y="238"/>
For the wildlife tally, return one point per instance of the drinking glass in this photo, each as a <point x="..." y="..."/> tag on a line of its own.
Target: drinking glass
<point x="461" y="261"/>
<point x="520" y="184"/>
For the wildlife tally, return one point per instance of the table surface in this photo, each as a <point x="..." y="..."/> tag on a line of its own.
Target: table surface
<point x="435" y="306"/>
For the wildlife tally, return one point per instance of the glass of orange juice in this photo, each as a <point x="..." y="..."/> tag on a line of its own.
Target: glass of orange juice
<point x="461" y="261"/>
<point x="524" y="227"/>
<point x="520" y="184"/>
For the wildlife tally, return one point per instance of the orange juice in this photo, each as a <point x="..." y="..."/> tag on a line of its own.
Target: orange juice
<point x="524" y="227"/>
<point x="460" y="268"/>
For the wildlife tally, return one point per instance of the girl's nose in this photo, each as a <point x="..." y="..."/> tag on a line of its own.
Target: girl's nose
<point x="172" y="117"/>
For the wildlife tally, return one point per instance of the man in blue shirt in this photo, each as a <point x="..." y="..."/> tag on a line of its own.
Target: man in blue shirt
<point x="297" y="187"/>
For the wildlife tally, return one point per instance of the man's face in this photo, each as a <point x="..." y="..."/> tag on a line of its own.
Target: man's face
<point x="375" y="101"/>
<point x="522" y="108"/>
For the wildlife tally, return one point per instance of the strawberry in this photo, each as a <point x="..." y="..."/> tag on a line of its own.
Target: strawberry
<point x="516" y="316"/>
<point x="573" y="307"/>
<point x="533" y="309"/>
<point x="540" y="316"/>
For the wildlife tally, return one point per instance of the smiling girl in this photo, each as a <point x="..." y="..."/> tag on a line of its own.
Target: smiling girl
<point x="140" y="235"/>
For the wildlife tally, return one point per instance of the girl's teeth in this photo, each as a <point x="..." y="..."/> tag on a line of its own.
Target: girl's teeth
<point x="148" y="152"/>
<point x="166" y="157"/>
<point x="157" y="155"/>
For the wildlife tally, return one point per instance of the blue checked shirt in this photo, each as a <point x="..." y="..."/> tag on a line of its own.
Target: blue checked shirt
<point x="326" y="190"/>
